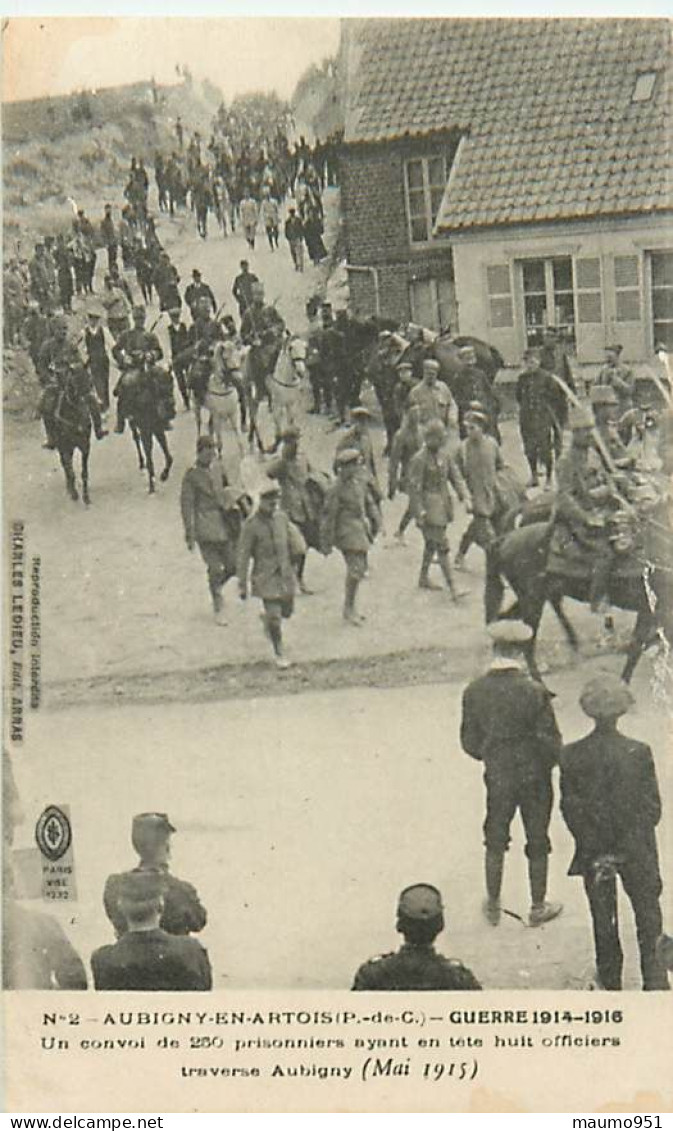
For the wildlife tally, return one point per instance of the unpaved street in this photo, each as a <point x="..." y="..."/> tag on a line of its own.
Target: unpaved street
<point x="300" y="818"/>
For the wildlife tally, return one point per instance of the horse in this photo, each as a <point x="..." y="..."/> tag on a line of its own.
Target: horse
<point x="522" y="559"/>
<point x="284" y="384"/>
<point x="223" y="393"/>
<point x="72" y="430"/>
<point x="145" y="405"/>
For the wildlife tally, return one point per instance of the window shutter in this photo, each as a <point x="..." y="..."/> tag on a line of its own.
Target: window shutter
<point x="627" y="288"/>
<point x="588" y="286"/>
<point x="499" y="286"/>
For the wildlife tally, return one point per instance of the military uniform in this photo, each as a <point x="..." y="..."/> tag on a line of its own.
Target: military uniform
<point x="359" y="439"/>
<point x="480" y="460"/>
<point x="611" y="804"/>
<point x="535" y="394"/>
<point x="58" y="362"/>
<point x="471" y="385"/>
<point x="178" y="336"/>
<point x="135" y="349"/>
<point x="272" y="543"/>
<point x="351" y="521"/>
<point x="434" y="401"/>
<point x="432" y="506"/>
<point x="204" y="502"/>
<point x="414" y="967"/>
<point x="152" y="960"/>
<point x="292" y="476"/>
<point x="183" y="911"/>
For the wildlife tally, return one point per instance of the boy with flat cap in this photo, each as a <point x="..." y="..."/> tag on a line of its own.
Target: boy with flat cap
<point x="351" y="521"/>
<point x="508" y="724"/>
<point x="274" y="546"/>
<point x="147" y="957"/>
<point x="182" y="911"/>
<point x="416" y="965"/>
<point x="610" y="802"/>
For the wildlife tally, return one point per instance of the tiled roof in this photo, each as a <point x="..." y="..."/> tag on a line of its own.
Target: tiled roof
<point x="551" y="130"/>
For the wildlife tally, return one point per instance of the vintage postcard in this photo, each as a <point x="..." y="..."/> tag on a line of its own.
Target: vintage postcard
<point x="338" y="571"/>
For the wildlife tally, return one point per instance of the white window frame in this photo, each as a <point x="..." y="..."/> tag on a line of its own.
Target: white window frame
<point x="429" y="219"/>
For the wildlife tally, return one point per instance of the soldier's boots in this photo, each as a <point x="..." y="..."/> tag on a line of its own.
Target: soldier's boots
<point x="541" y="911"/>
<point x="493" y="872"/>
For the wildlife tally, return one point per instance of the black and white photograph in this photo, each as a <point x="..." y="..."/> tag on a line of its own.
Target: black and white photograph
<point x="338" y="513"/>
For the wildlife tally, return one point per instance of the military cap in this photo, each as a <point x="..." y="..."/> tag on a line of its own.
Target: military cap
<point x="92" y="312"/>
<point x="175" y="310"/>
<point x="474" y="417"/>
<point x="359" y="412"/>
<point x="292" y="433"/>
<point x="420" y="902"/>
<point x="510" y="632"/>
<point x="157" y="823"/>
<point x="346" y="456"/>
<point x="196" y="274"/>
<point x="581" y="416"/>
<point x="384" y="335"/>
<point x="606" y="696"/>
<point x="108" y="208"/>
<point x="142" y="886"/>
<point x="269" y="490"/>
<point x="615" y="348"/>
<point x="139" y="310"/>
<point x="466" y="349"/>
<point x="431" y="364"/>
<point x="406" y="366"/>
<point x="244" y="263"/>
<point x="204" y="442"/>
<point x="603" y="394"/>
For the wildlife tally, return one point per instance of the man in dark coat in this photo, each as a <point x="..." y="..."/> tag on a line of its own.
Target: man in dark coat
<point x="508" y="724"/>
<point x="243" y="287"/>
<point x="98" y="360"/>
<point x="109" y="237"/>
<point x="554" y="359"/>
<point x="416" y="965"/>
<point x="182" y="911"/>
<point x="197" y="290"/>
<point x="178" y="336"/>
<point x="134" y="349"/>
<point x="472" y="386"/>
<point x="536" y="397"/>
<point x="147" y="957"/>
<point x="204" y="502"/>
<point x="610" y="802"/>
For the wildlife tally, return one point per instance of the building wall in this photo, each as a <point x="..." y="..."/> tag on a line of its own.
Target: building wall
<point x="609" y="255"/>
<point x="376" y="232"/>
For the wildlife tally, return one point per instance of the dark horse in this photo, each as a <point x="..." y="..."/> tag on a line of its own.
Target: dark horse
<point x="72" y="421"/>
<point x="147" y="392"/>
<point x="521" y="558"/>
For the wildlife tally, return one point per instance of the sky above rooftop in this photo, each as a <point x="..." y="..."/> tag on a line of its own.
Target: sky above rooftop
<point x="49" y="56"/>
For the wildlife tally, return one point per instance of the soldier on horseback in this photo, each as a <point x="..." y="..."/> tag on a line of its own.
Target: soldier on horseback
<point x="136" y="352"/>
<point x="585" y="502"/>
<point x="57" y="360"/>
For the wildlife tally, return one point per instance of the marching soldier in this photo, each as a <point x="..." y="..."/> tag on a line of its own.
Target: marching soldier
<point x="479" y="460"/>
<point x="471" y="385"/>
<point x="182" y="911"/>
<point x="610" y="802"/>
<point x="178" y="335"/>
<point x="430" y="472"/>
<point x="136" y="348"/>
<point x="508" y="724"/>
<point x="351" y="521"/>
<point x="358" y="438"/>
<point x="406" y="442"/>
<point x="291" y="471"/>
<point x="147" y="956"/>
<point x="274" y="545"/>
<point x="205" y="499"/>
<point x="433" y="396"/>
<point x="619" y="377"/>
<point x="416" y="965"/>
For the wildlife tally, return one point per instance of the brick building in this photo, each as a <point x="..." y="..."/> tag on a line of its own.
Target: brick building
<point x="500" y="175"/>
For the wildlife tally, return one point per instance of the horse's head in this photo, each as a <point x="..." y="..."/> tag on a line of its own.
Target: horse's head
<point x="297" y="351"/>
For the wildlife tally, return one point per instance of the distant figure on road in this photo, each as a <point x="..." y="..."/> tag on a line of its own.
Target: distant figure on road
<point x="294" y="234"/>
<point x="182" y="911"/>
<point x="508" y="724"/>
<point x="611" y="804"/>
<point x="243" y="287"/>
<point x="249" y="215"/>
<point x="416" y="965"/>
<point x="148" y="957"/>
<point x="197" y="290"/>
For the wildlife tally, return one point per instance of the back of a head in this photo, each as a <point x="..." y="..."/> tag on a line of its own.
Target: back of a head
<point x="420" y="914"/>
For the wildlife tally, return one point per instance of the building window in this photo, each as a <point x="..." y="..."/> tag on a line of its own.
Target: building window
<point x="644" y="88"/>
<point x="627" y="288"/>
<point x="425" y="181"/>
<point x="661" y="265"/>
<point x="500" y="306"/>
<point x="433" y="304"/>
<point x="548" y="298"/>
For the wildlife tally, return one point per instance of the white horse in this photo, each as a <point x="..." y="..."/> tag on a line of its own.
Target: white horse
<point x="284" y="384"/>
<point x="222" y="397"/>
